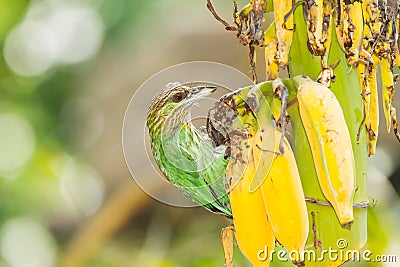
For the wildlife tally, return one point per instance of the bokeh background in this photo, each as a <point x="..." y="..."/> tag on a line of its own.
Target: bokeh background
<point x="68" y="69"/>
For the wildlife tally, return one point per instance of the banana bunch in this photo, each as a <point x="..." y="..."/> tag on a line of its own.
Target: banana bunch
<point x="379" y="47"/>
<point x="263" y="184"/>
<point x="262" y="178"/>
<point x="387" y="51"/>
<point x="367" y="35"/>
<point x="367" y="32"/>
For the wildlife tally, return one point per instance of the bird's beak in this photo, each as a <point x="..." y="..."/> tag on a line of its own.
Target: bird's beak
<point x="202" y="90"/>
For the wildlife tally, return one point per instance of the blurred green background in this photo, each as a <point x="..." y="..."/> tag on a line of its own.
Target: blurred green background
<point x="68" y="69"/>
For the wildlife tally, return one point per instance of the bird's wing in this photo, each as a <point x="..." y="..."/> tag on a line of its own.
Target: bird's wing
<point x="204" y="177"/>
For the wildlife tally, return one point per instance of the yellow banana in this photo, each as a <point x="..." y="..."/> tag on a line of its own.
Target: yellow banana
<point x="386" y="42"/>
<point x="330" y="143"/>
<point x="362" y="72"/>
<point x="284" y="29"/>
<point x="387" y="91"/>
<point x="395" y="124"/>
<point x="387" y="54"/>
<point x="373" y="108"/>
<point x="372" y="28"/>
<point x="284" y="198"/>
<point x="277" y="176"/>
<point x="371" y="14"/>
<point x="350" y="32"/>
<point x="386" y="51"/>
<point x="353" y="27"/>
<point x="326" y="36"/>
<point x="367" y="73"/>
<point x="253" y="231"/>
<point x="271" y="63"/>
<point x="314" y="16"/>
<point x="318" y="17"/>
<point x="338" y="11"/>
<point x="227" y="238"/>
<point x="396" y="42"/>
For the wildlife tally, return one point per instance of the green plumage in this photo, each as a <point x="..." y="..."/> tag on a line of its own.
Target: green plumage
<point x="186" y="156"/>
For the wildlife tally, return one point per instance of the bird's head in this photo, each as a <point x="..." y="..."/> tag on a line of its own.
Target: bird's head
<point x="173" y="104"/>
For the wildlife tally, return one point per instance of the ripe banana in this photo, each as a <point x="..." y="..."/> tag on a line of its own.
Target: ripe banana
<point x="387" y="91"/>
<point x="330" y="143"/>
<point x="372" y="41"/>
<point x="314" y="16"/>
<point x="284" y="199"/>
<point x="363" y="68"/>
<point x="353" y="27"/>
<point x="277" y="176"/>
<point x="387" y="53"/>
<point x="349" y="31"/>
<point x="326" y="36"/>
<point x="284" y="29"/>
<point x="318" y="16"/>
<point x="270" y="43"/>
<point x="371" y="14"/>
<point x="227" y="238"/>
<point x="338" y="14"/>
<point x="362" y="72"/>
<point x="396" y="42"/>
<point x="253" y="231"/>
<point x="372" y="136"/>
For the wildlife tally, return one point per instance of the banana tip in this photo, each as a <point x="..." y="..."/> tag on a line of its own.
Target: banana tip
<point x="299" y="263"/>
<point x="347" y="224"/>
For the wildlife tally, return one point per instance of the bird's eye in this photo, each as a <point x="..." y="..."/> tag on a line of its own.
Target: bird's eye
<point x="178" y="97"/>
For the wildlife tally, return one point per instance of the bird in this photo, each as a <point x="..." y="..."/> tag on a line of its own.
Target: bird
<point x="215" y="165"/>
<point x="186" y="156"/>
